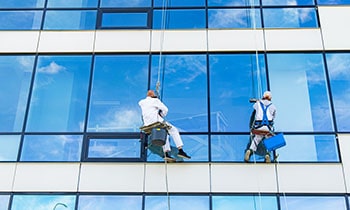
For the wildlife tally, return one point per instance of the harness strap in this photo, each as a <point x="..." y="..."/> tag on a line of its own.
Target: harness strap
<point x="265" y="120"/>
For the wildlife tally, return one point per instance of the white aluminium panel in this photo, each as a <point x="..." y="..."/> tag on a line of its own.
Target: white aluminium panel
<point x="177" y="177"/>
<point x="344" y="145"/>
<point x="18" y="41"/>
<point x="111" y="177"/>
<point x="293" y="39"/>
<point x="311" y="178"/>
<point x="235" y="40"/>
<point x="179" y="40"/>
<point x="122" y="41"/>
<point x="7" y="172"/>
<point x="66" y="41"/>
<point x="242" y="178"/>
<point x="335" y="27"/>
<point x="49" y="177"/>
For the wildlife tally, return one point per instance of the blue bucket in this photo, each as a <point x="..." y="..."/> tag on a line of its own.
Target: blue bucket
<point x="274" y="142"/>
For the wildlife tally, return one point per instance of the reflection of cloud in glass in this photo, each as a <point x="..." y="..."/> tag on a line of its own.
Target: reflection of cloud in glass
<point x="42" y="202"/>
<point x="339" y="66"/>
<point x="52" y="68"/>
<point x="25" y="63"/>
<point x="124" y="3"/>
<point x="225" y="18"/>
<point x="280" y="2"/>
<point x="109" y="202"/>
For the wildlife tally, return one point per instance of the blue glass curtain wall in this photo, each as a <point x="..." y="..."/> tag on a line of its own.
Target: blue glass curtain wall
<point x="63" y="101"/>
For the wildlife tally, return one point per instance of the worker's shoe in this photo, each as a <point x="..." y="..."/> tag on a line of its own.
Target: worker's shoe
<point x="267" y="158"/>
<point x="247" y="155"/>
<point x="168" y="158"/>
<point x="183" y="154"/>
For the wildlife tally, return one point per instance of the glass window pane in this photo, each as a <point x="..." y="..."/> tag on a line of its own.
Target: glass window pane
<point x="302" y="79"/>
<point x="177" y="202"/>
<point x="195" y="146"/>
<point x="125" y="19"/>
<point x="290" y="18"/>
<point x="312" y="202"/>
<point x="287" y="2"/>
<point x="20" y="20"/>
<point x="179" y="19"/>
<point x="4" y="201"/>
<point x="70" y="20"/>
<point x="119" y="82"/>
<point x="15" y="75"/>
<point x="234" y="18"/>
<point x="126" y="3"/>
<point x="244" y="202"/>
<point x="309" y="148"/>
<point x="114" y="148"/>
<point x="179" y="3"/>
<point x="183" y="90"/>
<point x="22" y="4"/>
<point x="339" y="74"/>
<point x="233" y="81"/>
<point x="9" y="145"/>
<point x="229" y="147"/>
<point x="43" y="202"/>
<point x="333" y="2"/>
<point x="59" y="96"/>
<point x="234" y="3"/>
<point x="51" y="148"/>
<point x="71" y="3"/>
<point x="109" y="202"/>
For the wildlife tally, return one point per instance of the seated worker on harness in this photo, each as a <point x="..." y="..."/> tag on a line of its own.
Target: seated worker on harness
<point x="265" y="113"/>
<point x="153" y="110"/>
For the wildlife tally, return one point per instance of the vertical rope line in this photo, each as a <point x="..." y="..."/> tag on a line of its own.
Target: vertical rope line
<point x="166" y="182"/>
<point x="163" y="26"/>
<point x="258" y="71"/>
<point x="258" y="181"/>
<point x="278" y="185"/>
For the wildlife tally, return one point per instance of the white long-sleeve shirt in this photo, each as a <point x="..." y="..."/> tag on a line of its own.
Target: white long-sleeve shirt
<point x="270" y="112"/>
<point x="150" y="108"/>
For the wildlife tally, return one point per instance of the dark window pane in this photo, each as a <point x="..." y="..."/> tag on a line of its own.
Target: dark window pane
<point x="234" y="18"/>
<point x="245" y="202"/>
<point x="302" y="77"/>
<point x="119" y="82"/>
<point x="177" y="202"/>
<point x="195" y="146"/>
<point x="287" y="2"/>
<point x="309" y="148"/>
<point x="233" y="81"/>
<point x="20" y="20"/>
<point x="339" y="74"/>
<point x="71" y="3"/>
<point x="70" y="20"/>
<point x="179" y="3"/>
<point x="184" y="90"/>
<point x="229" y="147"/>
<point x="9" y="145"/>
<point x="125" y="19"/>
<point x="23" y="202"/>
<point x="312" y="202"/>
<point x="59" y="96"/>
<point x="15" y="75"/>
<point x="125" y="3"/>
<point x="179" y="19"/>
<point x="235" y="3"/>
<point x="51" y="148"/>
<point x="22" y="4"/>
<point x="114" y="148"/>
<point x="290" y="18"/>
<point x="109" y="202"/>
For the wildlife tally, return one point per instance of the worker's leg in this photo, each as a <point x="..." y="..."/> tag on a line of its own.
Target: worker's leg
<point x="174" y="133"/>
<point x="166" y="146"/>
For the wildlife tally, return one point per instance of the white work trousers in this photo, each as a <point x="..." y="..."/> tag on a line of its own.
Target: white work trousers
<point x="175" y="135"/>
<point x="257" y="138"/>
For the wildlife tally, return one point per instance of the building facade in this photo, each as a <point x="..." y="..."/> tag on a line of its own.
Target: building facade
<point x="72" y="73"/>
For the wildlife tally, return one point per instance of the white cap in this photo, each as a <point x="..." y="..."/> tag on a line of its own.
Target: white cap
<point x="267" y="94"/>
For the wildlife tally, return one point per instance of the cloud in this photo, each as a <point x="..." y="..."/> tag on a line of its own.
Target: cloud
<point x="52" y="68"/>
<point x="338" y="66"/>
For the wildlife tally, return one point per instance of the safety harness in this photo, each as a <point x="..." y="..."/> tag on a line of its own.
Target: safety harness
<point x="265" y="121"/>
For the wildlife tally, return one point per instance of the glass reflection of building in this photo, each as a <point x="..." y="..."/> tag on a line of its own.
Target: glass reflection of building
<point x="72" y="72"/>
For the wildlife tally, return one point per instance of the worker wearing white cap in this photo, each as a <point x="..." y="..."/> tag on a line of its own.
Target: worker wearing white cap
<point x="265" y="113"/>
